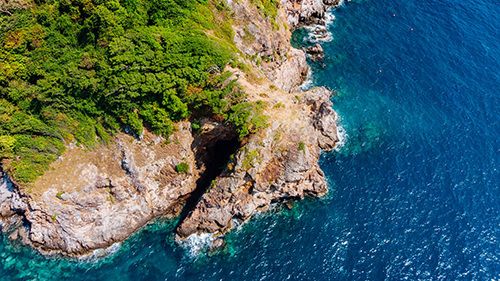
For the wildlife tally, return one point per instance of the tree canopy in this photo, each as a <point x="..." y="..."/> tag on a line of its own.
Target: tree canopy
<point x="82" y="70"/>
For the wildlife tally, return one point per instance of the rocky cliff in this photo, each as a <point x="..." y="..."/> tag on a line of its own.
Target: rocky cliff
<point x="281" y="162"/>
<point x="91" y="199"/>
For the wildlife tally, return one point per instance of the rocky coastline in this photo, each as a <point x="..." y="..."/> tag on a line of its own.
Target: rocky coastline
<point x="92" y="199"/>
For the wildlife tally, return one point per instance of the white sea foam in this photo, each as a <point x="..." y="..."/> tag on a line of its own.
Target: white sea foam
<point x="320" y="32"/>
<point x="342" y="134"/>
<point x="98" y="254"/>
<point x="197" y="243"/>
<point x="308" y="82"/>
<point x="330" y="17"/>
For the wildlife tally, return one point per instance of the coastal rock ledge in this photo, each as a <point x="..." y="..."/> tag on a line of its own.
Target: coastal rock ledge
<point x="91" y="199"/>
<point x="276" y="165"/>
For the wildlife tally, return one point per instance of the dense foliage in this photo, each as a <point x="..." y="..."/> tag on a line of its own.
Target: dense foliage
<point x="81" y="70"/>
<point x="268" y="7"/>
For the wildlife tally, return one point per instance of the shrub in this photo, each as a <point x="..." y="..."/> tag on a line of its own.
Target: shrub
<point x="302" y="146"/>
<point x="195" y="126"/>
<point x="182" y="167"/>
<point x="248" y="118"/>
<point x="6" y="146"/>
<point x="278" y="105"/>
<point x="250" y="158"/>
<point x="267" y="7"/>
<point x="59" y="195"/>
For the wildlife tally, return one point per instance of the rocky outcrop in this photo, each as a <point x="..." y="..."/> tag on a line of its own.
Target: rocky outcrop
<point x="278" y="164"/>
<point x="315" y="52"/>
<point x="91" y="199"/>
<point x="307" y="12"/>
<point x="281" y="162"/>
<point x="292" y="72"/>
<point x="12" y="205"/>
<point x="267" y="42"/>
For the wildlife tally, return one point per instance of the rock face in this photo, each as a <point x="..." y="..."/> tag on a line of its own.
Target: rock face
<point x="315" y="52"/>
<point x="12" y="205"/>
<point x="280" y="163"/>
<point x="307" y="12"/>
<point x="91" y="199"/>
<point x="268" y="44"/>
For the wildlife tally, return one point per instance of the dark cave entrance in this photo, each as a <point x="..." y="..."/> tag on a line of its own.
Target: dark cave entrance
<point x="214" y="157"/>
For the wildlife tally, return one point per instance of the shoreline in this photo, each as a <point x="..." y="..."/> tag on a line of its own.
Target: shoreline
<point x="196" y="230"/>
<point x="239" y="192"/>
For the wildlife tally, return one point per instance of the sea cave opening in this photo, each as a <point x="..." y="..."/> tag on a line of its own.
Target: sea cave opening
<point x="212" y="158"/>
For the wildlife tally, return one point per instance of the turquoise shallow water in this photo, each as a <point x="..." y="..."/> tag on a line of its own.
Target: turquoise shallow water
<point x="415" y="190"/>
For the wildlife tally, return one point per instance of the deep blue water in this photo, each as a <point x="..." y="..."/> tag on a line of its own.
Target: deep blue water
<point x="415" y="191"/>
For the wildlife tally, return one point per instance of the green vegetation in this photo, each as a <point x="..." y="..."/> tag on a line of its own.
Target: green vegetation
<point x="248" y="37"/>
<point x="59" y="195"/>
<point x="302" y="146"/>
<point x="248" y="117"/>
<point x="213" y="184"/>
<point x="267" y="7"/>
<point x="82" y="70"/>
<point x="278" y="105"/>
<point x="250" y="158"/>
<point x="182" y="167"/>
<point x="7" y="145"/>
<point x="195" y="126"/>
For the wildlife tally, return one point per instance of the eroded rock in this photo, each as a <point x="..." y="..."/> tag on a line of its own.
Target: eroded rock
<point x="315" y="52"/>
<point x="278" y="164"/>
<point x="89" y="200"/>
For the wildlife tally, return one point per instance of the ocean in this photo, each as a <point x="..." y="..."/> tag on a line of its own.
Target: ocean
<point x="414" y="189"/>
